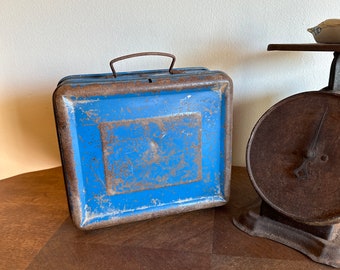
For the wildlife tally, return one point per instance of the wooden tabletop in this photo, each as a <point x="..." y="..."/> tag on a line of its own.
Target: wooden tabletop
<point x="37" y="233"/>
<point x="320" y="47"/>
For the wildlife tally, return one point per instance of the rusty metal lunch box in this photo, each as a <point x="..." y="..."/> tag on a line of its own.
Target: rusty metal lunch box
<point x="137" y="145"/>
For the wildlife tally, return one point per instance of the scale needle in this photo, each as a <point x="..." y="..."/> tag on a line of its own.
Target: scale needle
<point x="301" y="172"/>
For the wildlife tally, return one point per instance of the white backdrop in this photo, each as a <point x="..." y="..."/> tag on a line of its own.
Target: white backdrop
<point x="42" y="41"/>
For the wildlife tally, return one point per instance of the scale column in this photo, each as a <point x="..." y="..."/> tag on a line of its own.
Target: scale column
<point x="334" y="76"/>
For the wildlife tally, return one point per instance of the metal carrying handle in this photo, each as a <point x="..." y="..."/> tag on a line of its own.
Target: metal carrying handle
<point x="114" y="73"/>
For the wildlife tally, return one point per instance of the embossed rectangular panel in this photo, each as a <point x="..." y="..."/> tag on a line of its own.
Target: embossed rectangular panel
<point x="144" y="144"/>
<point x="141" y="154"/>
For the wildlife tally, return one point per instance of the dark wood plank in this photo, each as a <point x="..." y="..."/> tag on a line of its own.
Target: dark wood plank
<point x="305" y="47"/>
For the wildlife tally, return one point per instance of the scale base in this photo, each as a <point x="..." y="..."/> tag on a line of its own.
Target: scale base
<point x="320" y="243"/>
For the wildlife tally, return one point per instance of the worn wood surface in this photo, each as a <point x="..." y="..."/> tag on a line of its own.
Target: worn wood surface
<point x="320" y="47"/>
<point x="37" y="233"/>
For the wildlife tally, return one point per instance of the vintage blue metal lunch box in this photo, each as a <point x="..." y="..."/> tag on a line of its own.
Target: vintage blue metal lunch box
<point x="138" y="145"/>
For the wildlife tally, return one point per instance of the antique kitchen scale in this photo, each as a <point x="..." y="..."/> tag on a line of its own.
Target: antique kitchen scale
<point x="293" y="161"/>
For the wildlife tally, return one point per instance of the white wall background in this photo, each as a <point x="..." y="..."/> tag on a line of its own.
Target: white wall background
<point x="42" y="41"/>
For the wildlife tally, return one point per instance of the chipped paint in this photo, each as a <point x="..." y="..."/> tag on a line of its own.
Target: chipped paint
<point x="138" y="152"/>
<point x="133" y="149"/>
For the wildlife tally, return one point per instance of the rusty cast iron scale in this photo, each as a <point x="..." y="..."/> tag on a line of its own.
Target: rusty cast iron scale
<point x="293" y="158"/>
<point x="142" y="144"/>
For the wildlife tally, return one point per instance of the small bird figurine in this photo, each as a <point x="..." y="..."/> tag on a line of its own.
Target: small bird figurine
<point x="326" y="32"/>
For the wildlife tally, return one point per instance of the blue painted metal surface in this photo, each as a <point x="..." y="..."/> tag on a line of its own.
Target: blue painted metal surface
<point x="144" y="144"/>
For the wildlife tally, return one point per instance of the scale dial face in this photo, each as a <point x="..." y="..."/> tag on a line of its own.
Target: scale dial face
<point x="293" y="157"/>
